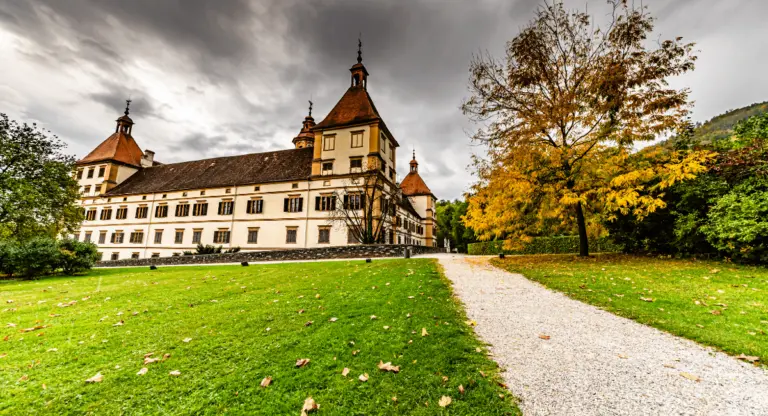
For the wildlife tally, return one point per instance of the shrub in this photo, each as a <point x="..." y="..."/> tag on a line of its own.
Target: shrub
<point x="36" y="257"/>
<point x="544" y="245"/>
<point x="76" y="256"/>
<point x="7" y="257"/>
<point x="208" y="249"/>
<point x="738" y="223"/>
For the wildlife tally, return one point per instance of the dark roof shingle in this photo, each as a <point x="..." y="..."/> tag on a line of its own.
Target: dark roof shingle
<point x="118" y="147"/>
<point x="253" y="168"/>
<point x="354" y="107"/>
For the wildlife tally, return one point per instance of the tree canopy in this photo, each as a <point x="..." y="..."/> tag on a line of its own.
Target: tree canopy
<point x="561" y="116"/>
<point x="38" y="193"/>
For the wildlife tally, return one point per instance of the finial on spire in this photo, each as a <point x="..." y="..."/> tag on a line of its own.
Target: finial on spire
<point x="310" y="108"/>
<point x="359" y="50"/>
<point x="127" y="104"/>
<point x="414" y="153"/>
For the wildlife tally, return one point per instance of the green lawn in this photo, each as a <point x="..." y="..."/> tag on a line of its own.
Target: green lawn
<point x="714" y="303"/>
<point x="244" y="324"/>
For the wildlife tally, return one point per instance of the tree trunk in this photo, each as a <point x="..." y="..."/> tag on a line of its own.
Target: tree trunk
<point x="583" y="242"/>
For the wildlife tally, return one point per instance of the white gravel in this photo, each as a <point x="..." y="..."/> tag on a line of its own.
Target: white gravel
<point x="595" y="363"/>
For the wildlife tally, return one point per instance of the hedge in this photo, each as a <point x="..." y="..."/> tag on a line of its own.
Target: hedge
<point x="544" y="245"/>
<point x="42" y="256"/>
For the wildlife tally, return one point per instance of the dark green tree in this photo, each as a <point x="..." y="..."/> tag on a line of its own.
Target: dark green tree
<point x="38" y="193"/>
<point x="451" y="226"/>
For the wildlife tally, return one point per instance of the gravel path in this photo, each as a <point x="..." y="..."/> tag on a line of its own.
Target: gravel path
<point x="596" y="363"/>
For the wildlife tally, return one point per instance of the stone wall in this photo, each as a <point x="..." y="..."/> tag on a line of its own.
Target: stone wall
<point x="339" y="252"/>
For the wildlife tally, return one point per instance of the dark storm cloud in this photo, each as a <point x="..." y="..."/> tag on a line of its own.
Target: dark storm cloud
<point x="236" y="74"/>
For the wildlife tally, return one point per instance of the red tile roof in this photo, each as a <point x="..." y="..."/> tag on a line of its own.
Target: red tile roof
<point x="413" y="185"/>
<point x="354" y="107"/>
<point x="254" y="168"/>
<point x="119" y="147"/>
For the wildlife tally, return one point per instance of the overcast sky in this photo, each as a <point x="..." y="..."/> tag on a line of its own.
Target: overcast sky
<point x="213" y="78"/>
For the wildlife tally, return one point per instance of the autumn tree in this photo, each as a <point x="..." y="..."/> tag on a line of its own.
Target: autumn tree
<point x="365" y="206"/>
<point x="561" y="115"/>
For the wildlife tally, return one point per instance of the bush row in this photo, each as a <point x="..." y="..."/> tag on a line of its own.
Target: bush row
<point x="41" y="256"/>
<point x="544" y="245"/>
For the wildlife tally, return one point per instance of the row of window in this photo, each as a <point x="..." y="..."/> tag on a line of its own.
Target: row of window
<point x="91" y="172"/>
<point x="219" y="236"/>
<point x="253" y="206"/>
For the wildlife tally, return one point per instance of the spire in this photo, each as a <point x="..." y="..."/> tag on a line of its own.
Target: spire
<point x="306" y="138"/>
<point x="414" y="164"/>
<point x="310" y="108"/>
<point x="359" y="51"/>
<point x="127" y="105"/>
<point x="124" y="123"/>
<point x="359" y="73"/>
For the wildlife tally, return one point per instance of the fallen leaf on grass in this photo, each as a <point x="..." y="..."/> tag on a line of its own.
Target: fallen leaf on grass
<point x="166" y="356"/>
<point x="34" y="328"/>
<point x="186" y="340"/>
<point x="11" y="325"/>
<point x="266" y="381"/>
<point x="749" y="358"/>
<point x="444" y="401"/>
<point x="309" y="406"/>
<point x="309" y="323"/>
<point x="373" y="317"/>
<point x="482" y="374"/>
<point x="345" y="371"/>
<point x="301" y="362"/>
<point x="24" y="378"/>
<point x="52" y="349"/>
<point x="716" y="312"/>
<point x="95" y="379"/>
<point x="3" y="355"/>
<point x="646" y="299"/>
<point x="386" y="327"/>
<point x="363" y="377"/>
<point x="471" y="323"/>
<point x="119" y="323"/>
<point x="424" y="332"/>
<point x="333" y="319"/>
<point x="389" y="367"/>
<point x="142" y="371"/>
<point x="690" y="376"/>
<point x="150" y="360"/>
<point x="175" y="373"/>
<point x="544" y="337"/>
<point x="300" y="311"/>
<point x="461" y="389"/>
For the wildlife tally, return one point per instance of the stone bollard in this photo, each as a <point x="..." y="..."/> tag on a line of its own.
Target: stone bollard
<point x="245" y="263"/>
<point x="153" y="267"/>
<point x="406" y="253"/>
<point x="501" y="255"/>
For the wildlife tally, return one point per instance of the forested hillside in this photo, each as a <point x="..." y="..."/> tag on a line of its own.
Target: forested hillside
<point x="721" y="126"/>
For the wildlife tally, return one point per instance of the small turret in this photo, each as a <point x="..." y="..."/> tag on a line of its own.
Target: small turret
<point x="306" y="138"/>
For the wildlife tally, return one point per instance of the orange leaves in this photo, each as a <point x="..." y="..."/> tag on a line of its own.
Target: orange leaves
<point x="266" y="381"/>
<point x="309" y="406"/>
<point x="388" y="367"/>
<point x="544" y="337"/>
<point x="301" y="362"/>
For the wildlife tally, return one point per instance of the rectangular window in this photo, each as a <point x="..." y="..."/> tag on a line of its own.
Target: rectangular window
<point x="134" y="255"/>
<point x="327" y="168"/>
<point x="137" y="237"/>
<point x="178" y="237"/>
<point x="87" y="190"/>
<point x="115" y="256"/>
<point x="357" y="139"/>
<point x="391" y="174"/>
<point x="325" y="203"/>
<point x="158" y="236"/>
<point x="76" y="236"/>
<point x="200" y="209"/>
<point x="117" y="237"/>
<point x="355" y="164"/>
<point x="293" y="204"/>
<point x="79" y="174"/>
<point x="391" y="152"/>
<point x="106" y="214"/>
<point x="161" y="211"/>
<point x="324" y="235"/>
<point x="382" y="143"/>
<point x="197" y="236"/>
<point x="255" y="206"/>
<point x="101" y="171"/>
<point x="90" y="172"/>
<point x="155" y="255"/>
<point x="90" y="215"/>
<point x="121" y="213"/>
<point x="290" y="235"/>
<point x="87" y="237"/>
<point x="329" y="142"/>
<point x="182" y="210"/>
<point x="221" y="237"/>
<point x="226" y="207"/>
<point x="353" y="201"/>
<point x="253" y="235"/>
<point x="102" y="237"/>
<point x="294" y="186"/>
<point x="142" y="211"/>
<point x="351" y="238"/>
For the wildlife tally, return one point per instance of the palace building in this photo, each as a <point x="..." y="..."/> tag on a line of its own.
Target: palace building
<point x="136" y="207"/>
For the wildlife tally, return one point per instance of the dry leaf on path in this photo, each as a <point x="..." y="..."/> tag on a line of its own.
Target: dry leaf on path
<point x="363" y="377"/>
<point x="690" y="376"/>
<point x="142" y="371"/>
<point x="309" y="406"/>
<point x="301" y="362"/>
<point x="389" y="367"/>
<point x="749" y="358"/>
<point x="95" y="379"/>
<point x="444" y="401"/>
<point x="266" y="381"/>
<point x="545" y="337"/>
<point x="345" y="371"/>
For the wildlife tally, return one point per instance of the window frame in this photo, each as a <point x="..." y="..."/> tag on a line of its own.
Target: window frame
<point x="107" y="216"/>
<point x="200" y="209"/>
<point x="325" y="203"/>
<point x="136" y="237"/>
<point x="142" y="211"/>
<point x="164" y="209"/>
<point x="178" y="236"/>
<point x="255" y="206"/>
<point x="158" y="236"/>
<point x="184" y="208"/>
<point x="359" y="133"/>
<point x="222" y="236"/>
<point x="197" y="236"/>
<point x="329" y="142"/>
<point x="291" y="205"/>
<point x="117" y="237"/>
<point x="323" y="229"/>
<point x="253" y="231"/>
<point x="226" y="207"/>
<point x="121" y="213"/>
<point x="102" y="237"/>
<point x="295" y="234"/>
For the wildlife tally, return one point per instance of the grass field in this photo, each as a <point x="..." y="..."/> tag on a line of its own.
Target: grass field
<point x="717" y="304"/>
<point x="243" y="324"/>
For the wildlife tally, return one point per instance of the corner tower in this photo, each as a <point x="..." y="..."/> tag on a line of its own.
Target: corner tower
<point x="306" y="138"/>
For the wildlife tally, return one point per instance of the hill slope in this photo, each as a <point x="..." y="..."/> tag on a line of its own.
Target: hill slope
<point x="721" y="126"/>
